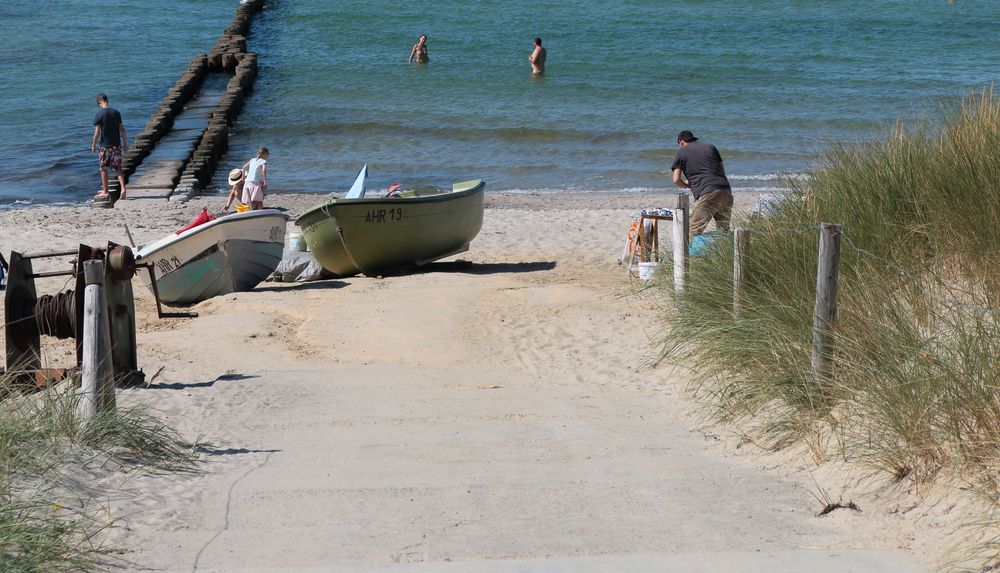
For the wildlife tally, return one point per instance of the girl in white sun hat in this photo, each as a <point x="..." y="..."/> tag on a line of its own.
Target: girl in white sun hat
<point x="236" y="179"/>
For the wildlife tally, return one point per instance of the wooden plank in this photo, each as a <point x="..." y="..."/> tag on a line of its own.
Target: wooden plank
<point x="161" y="194"/>
<point x="153" y="180"/>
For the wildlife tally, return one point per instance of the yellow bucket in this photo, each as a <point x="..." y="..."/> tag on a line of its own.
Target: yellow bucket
<point x="242" y="207"/>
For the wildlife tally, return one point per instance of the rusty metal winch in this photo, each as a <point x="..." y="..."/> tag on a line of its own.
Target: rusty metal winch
<point x="28" y="316"/>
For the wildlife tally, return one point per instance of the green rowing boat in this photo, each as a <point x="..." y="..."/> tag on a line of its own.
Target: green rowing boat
<point x="375" y="236"/>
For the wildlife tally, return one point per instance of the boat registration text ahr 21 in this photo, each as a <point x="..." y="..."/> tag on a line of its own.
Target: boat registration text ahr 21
<point x="384" y="215"/>
<point x="165" y="265"/>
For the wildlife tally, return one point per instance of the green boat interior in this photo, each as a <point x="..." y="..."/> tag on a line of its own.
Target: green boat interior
<point x="420" y="191"/>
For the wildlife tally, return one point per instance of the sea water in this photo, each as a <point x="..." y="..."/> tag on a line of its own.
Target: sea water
<point x="771" y="83"/>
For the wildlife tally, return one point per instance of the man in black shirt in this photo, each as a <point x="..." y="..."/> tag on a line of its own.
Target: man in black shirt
<point x="705" y="176"/>
<point x="109" y="128"/>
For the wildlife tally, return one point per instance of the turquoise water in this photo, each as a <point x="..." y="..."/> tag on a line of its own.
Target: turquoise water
<point x="770" y="83"/>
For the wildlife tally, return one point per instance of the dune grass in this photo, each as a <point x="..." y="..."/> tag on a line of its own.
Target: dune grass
<point x="915" y="385"/>
<point x="43" y="524"/>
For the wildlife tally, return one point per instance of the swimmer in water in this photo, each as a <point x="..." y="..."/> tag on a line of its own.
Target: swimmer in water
<point x="537" y="58"/>
<point x="419" y="51"/>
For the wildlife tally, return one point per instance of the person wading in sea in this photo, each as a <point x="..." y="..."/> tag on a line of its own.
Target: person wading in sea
<point x="537" y="58"/>
<point x="109" y="128"/>
<point x="701" y="164"/>
<point x="419" y="51"/>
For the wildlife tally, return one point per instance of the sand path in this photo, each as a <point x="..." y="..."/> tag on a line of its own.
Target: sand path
<point x="494" y="417"/>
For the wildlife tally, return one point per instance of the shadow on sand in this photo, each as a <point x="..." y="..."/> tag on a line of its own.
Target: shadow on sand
<point x="459" y="266"/>
<point x="231" y="451"/>
<point x="309" y="285"/>
<point x="472" y="268"/>
<point x="208" y="384"/>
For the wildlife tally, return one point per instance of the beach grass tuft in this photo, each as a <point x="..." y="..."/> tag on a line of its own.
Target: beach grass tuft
<point x="914" y="388"/>
<point x="50" y="518"/>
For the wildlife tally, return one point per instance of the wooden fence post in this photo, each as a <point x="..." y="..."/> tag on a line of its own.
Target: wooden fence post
<point x="741" y="266"/>
<point x="680" y="241"/>
<point x="825" y="313"/>
<point x="97" y="377"/>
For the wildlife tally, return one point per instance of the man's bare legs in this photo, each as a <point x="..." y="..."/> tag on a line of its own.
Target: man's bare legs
<point x="104" y="184"/>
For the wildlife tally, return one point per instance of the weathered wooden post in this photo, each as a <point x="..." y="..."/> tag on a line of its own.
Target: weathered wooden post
<point x="825" y="313"/>
<point x="680" y="241"/>
<point x="741" y="266"/>
<point x="97" y="378"/>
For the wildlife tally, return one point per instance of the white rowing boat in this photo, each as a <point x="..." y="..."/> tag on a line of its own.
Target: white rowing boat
<point x="229" y="254"/>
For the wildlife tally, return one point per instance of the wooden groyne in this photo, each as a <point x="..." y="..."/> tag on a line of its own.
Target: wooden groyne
<point x="179" y="149"/>
<point x="214" y="142"/>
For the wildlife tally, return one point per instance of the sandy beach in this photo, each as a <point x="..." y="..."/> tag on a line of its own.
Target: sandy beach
<point x="501" y="415"/>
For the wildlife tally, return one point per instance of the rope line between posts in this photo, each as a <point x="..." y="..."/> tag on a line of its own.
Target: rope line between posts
<point x="895" y="265"/>
<point x="946" y="298"/>
<point x="798" y="231"/>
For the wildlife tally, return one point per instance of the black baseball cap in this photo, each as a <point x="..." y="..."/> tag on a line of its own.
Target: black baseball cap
<point x="686" y="136"/>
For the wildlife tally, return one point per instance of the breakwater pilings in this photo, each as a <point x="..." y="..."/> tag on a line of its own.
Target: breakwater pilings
<point x="214" y="141"/>
<point x="180" y="146"/>
<point x="183" y="91"/>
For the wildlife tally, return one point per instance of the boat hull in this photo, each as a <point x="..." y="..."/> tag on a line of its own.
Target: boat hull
<point x="231" y="254"/>
<point x="384" y="235"/>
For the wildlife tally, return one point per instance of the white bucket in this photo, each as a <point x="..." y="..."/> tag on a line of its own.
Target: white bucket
<point x="648" y="270"/>
<point x="295" y="241"/>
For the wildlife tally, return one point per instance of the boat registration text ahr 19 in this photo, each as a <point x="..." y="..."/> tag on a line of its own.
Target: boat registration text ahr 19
<point x="384" y="215"/>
